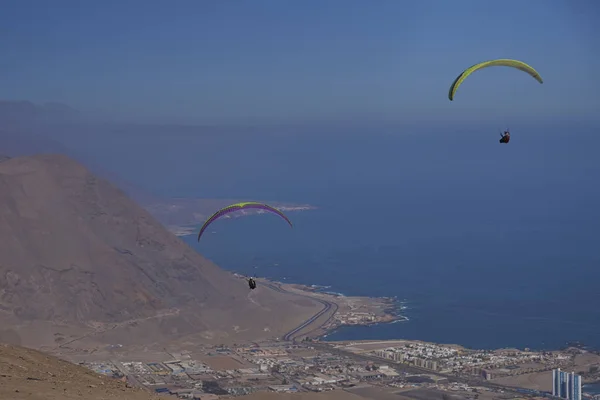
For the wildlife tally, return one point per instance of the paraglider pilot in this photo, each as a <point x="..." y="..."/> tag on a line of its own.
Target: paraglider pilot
<point x="505" y="137"/>
<point x="252" y="283"/>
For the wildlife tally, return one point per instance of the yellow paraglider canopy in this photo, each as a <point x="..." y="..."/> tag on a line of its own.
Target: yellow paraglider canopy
<point x="241" y="206"/>
<point x="499" y="62"/>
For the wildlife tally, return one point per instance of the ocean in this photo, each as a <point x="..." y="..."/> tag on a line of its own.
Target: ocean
<point x="459" y="286"/>
<point x="487" y="246"/>
<point x="593" y="389"/>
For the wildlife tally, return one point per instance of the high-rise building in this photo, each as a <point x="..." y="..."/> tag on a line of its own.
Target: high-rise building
<point x="566" y="385"/>
<point x="577" y="393"/>
<point x="556" y="382"/>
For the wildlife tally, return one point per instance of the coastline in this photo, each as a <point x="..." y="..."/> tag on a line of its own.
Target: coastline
<point x="506" y="368"/>
<point x="341" y="311"/>
<point x="347" y="310"/>
<point x="184" y="220"/>
<point x="531" y="371"/>
<point x="180" y="231"/>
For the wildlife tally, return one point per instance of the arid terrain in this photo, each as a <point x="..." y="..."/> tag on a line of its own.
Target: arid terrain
<point x="81" y="261"/>
<point x="542" y="380"/>
<point x="29" y="374"/>
<point x="336" y="395"/>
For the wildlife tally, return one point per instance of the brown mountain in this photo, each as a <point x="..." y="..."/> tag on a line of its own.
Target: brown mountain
<point x="75" y="251"/>
<point x="29" y="374"/>
<point x="32" y="375"/>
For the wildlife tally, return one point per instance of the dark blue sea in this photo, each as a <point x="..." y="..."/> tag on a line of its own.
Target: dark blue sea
<point x="487" y="245"/>
<point x="592" y="388"/>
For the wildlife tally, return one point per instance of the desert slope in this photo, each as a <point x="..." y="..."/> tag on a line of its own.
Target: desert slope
<point x="76" y="251"/>
<point x="29" y="374"/>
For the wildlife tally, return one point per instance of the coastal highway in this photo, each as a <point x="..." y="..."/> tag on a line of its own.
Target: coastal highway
<point x="473" y="381"/>
<point x="327" y="306"/>
<point x="290" y="335"/>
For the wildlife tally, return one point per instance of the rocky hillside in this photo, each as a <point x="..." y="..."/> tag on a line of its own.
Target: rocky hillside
<point x="75" y="250"/>
<point x="29" y="374"/>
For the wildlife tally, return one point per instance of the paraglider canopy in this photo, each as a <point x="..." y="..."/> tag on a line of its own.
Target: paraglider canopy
<point x="241" y="206"/>
<point x="520" y="65"/>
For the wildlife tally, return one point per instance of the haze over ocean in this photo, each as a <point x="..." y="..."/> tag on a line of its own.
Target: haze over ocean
<point x="268" y="61"/>
<point x="491" y="246"/>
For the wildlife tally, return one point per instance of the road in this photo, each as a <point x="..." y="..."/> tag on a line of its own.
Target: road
<point x="109" y="327"/>
<point x="290" y="335"/>
<point x="131" y="379"/>
<point x="472" y="381"/>
<point x="327" y="306"/>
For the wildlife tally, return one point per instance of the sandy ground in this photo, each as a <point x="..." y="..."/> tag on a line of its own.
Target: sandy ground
<point x="305" y="353"/>
<point x="537" y="381"/>
<point x="29" y="374"/>
<point x="586" y="360"/>
<point x="333" y="395"/>
<point x="220" y="363"/>
<point x="85" y="344"/>
<point x="543" y="380"/>
<point x="376" y="393"/>
<point x="366" y="393"/>
<point x="128" y="354"/>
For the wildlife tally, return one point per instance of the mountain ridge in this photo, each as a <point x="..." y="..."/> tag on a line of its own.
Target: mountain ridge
<point x="76" y="250"/>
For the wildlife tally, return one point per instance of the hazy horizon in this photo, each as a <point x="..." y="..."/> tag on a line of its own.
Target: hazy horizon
<point x="270" y="63"/>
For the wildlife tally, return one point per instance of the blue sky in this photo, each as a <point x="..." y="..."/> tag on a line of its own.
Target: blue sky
<point x="280" y="61"/>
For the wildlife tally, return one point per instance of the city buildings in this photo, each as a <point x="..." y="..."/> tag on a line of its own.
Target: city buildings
<point x="566" y="385"/>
